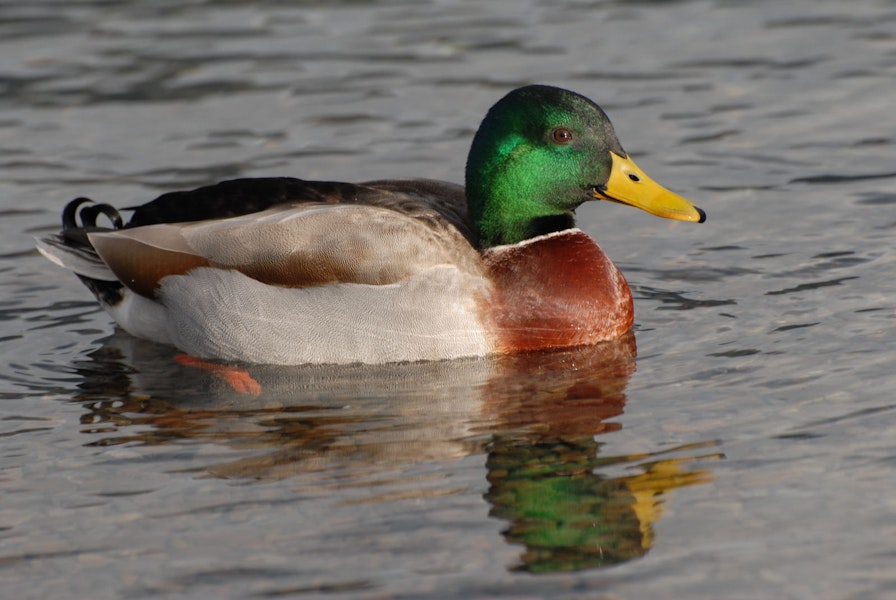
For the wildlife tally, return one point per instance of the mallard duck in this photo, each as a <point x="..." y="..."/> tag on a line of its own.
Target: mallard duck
<point x="288" y="271"/>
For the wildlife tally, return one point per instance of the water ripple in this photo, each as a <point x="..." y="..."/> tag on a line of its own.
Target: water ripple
<point x="810" y="286"/>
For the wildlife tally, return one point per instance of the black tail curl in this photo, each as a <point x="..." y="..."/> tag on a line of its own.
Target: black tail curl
<point x="88" y="215"/>
<point x="78" y="221"/>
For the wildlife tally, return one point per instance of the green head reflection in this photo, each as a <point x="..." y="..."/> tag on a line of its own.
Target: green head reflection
<point x="566" y="515"/>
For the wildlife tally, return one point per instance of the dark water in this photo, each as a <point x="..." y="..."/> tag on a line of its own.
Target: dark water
<point x="738" y="445"/>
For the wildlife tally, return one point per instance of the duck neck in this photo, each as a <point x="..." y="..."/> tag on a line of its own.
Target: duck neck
<point x="506" y="203"/>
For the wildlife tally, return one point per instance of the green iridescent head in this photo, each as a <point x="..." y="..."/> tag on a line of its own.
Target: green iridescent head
<point x="541" y="152"/>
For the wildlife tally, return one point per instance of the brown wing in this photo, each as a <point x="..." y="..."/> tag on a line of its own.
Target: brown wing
<point x="292" y="246"/>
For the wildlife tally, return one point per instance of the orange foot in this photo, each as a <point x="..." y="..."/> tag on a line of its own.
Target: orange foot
<point x="238" y="379"/>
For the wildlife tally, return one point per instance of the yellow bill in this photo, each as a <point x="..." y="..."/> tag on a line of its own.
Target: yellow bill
<point x="629" y="185"/>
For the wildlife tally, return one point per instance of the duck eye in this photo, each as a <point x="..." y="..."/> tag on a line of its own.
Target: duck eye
<point x="561" y="135"/>
<point x="634" y="177"/>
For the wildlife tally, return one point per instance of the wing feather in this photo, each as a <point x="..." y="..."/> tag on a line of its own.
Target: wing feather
<point x="291" y="246"/>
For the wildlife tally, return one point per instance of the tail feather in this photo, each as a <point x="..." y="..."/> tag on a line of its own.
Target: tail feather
<point x="72" y="250"/>
<point x="83" y="260"/>
<point x="71" y="247"/>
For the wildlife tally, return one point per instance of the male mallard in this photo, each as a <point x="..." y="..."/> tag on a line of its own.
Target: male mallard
<point x="286" y="271"/>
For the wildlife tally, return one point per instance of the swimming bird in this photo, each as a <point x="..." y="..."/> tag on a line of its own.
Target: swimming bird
<point x="289" y="271"/>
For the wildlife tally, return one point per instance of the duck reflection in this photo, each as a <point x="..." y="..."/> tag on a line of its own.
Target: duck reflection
<point x="568" y="516"/>
<point x="543" y="461"/>
<point x="537" y="417"/>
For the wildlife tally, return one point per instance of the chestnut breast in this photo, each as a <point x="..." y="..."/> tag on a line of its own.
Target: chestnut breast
<point x="556" y="290"/>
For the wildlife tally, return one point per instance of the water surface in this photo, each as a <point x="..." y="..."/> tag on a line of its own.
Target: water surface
<point x="738" y="445"/>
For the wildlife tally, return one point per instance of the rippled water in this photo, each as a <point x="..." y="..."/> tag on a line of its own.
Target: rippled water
<point x="738" y="445"/>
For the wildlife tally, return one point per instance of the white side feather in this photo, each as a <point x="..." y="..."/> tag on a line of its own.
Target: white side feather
<point x="225" y="314"/>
